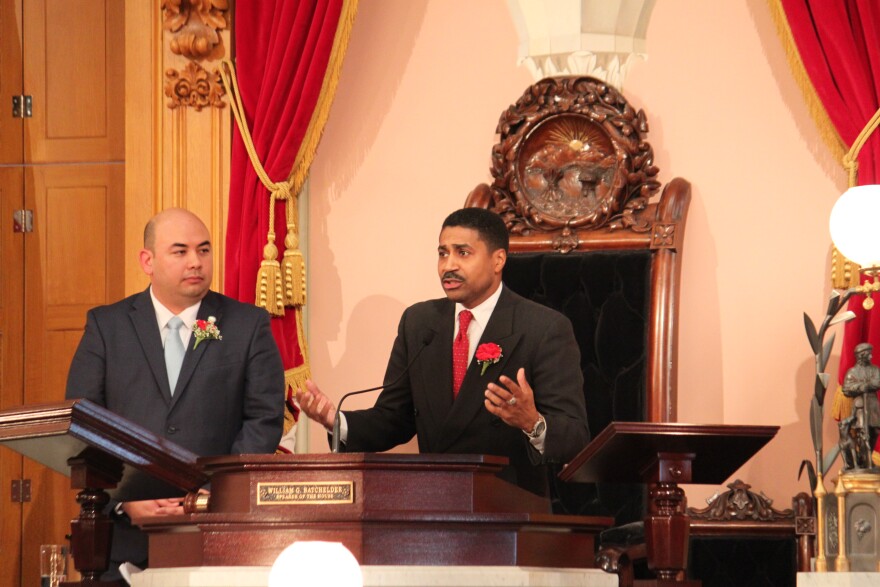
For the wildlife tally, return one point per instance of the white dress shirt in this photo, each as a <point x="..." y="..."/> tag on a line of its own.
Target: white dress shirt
<point x="163" y="315"/>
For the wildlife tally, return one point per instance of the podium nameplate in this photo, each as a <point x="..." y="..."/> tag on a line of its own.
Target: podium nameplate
<point x="303" y="493"/>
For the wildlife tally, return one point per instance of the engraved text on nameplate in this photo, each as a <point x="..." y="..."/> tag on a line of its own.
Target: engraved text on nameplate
<point x="322" y="492"/>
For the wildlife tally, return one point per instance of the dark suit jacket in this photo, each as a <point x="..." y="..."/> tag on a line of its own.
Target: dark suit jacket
<point x="531" y="336"/>
<point x="229" y="397"/>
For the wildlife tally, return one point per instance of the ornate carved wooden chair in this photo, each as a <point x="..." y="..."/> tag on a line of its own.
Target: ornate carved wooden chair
<point x="575" y="182"/>
<point x="740" y="539"/>
<point x="593" y="236"/>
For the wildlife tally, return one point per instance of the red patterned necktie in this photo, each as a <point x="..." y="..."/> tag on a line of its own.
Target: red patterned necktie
<point x="460" y="348"/>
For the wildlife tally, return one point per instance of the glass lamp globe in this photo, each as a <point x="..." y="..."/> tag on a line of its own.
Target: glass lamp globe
<point x="308" y="563"/>
<point x="855" y="225"/>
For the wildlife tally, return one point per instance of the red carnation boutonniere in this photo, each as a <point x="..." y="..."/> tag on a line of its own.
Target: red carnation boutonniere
<point x="487" y="354"/>
<point x="206" y="330"/>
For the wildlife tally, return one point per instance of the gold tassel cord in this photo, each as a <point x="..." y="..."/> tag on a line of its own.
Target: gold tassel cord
<point x="286" y="281"/>
<point x="293" y="264"/>
<point x="281" y="284"/>
<point x="269" y="291"/>
<point x="850" y="160"/>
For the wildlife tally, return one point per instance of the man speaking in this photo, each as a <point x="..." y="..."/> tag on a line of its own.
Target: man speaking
<point x="481" y="371"/>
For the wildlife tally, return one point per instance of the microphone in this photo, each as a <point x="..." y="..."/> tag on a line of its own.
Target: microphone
<point x="426" y="340"/>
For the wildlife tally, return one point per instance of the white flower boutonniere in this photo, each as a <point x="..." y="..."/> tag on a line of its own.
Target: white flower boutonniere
<point x="206" y="330"/>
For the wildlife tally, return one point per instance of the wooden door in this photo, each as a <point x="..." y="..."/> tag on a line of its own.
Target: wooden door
<point x="11" y="364"/>
<point x="65" y="165"/>
<point x="11" y="281"/>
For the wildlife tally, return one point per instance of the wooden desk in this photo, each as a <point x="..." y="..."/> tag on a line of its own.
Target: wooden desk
<point x="664" y="455"/>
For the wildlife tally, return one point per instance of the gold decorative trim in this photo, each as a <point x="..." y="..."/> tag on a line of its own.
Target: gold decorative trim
<point x="194" y="87"/>
<point x="194" y="25"/>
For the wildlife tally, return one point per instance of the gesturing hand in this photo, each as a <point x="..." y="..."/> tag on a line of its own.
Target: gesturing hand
<point x="513" y="401"/>
<point x="316" y="405"/>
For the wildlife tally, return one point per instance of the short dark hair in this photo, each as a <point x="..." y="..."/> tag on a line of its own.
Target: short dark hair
<point x="489" y="225"/>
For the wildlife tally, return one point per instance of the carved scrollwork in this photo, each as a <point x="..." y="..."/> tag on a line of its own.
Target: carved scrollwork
<point x="194" y="87"/>
<point x="194" y="25"/>
<point x="566" y="241"/>
<point x="739" y="503"/>
<point x="571" y="153"/>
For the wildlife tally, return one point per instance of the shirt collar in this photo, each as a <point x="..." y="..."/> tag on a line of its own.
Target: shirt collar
<point x="163" y="314"/>
<point x="483" y="312"/>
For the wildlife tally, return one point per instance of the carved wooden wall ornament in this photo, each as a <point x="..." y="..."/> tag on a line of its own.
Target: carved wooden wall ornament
<point x="572" y="154"/>
<point x="194" y="25"/>
<point x="194" y="86"/>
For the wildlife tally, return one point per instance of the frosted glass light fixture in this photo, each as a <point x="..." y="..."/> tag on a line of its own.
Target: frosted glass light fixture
<point x="853" y="224"/>
<point x="307" y="563"/>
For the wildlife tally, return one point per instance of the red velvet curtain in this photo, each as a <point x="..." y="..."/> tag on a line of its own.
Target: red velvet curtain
<point x="839" y="45"/>
<point x="285" y="52"/>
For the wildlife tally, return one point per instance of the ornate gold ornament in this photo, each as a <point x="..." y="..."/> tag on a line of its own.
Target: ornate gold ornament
<point x="194" y="25"/>
<point x="194" y="87"/>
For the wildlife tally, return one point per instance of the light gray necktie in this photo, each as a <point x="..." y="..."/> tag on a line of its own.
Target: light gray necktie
<point x="174" y="351"/>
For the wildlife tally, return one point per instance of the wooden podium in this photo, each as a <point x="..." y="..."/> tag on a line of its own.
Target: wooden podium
<point x="664" y="455"/>
<point x="388" y="509"/>
<point x="99" y="451"/>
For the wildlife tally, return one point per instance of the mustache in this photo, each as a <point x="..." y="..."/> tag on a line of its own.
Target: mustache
<point x="452" y="275"/>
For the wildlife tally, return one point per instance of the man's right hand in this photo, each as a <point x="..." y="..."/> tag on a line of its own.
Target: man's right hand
<point x="316" y="405"/>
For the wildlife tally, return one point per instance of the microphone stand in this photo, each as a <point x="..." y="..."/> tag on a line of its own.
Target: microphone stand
<point x="335" y="441"/>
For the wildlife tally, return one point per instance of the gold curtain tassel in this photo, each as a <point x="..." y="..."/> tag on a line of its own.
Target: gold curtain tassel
<point x="294" y="270"/>
<point x="294" y="278"/>
<point x="842" y="406"/>
<point x="844" y="273"/>
<point x="269" y="292"/>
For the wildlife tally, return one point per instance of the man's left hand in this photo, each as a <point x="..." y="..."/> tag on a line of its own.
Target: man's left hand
<point x="513" y="401"/>
<point x="152" y="508"/>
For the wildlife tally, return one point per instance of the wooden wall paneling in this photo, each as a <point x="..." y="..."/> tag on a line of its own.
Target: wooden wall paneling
<point x="72" y="263"/>
<point x="11" y="129"/>
<point x="177" y="149"/>
<point x="143" y="130"/>
<point x="74" y="68"/>
<point x="11" y="366"/>
<point x="46" y="518"/>
<point x="221" y="154"/>
<point x="196" y="141"/>
<point x="69" y="56"/>
<point x="11" y="281"/>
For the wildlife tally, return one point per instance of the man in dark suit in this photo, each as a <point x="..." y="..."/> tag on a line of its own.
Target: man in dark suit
<point x="526" y="404"/>
<point x="184" y="362"/>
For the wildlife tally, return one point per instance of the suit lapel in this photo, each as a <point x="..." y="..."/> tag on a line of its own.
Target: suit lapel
<point x="471" y="396"/>
<point x="143" y="318"/>
<point x="437" y="374"/>
<point x="210" y="307"/>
